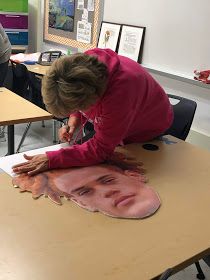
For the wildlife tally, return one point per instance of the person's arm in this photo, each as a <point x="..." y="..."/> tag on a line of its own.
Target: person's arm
<point x="40" y="163"/>
<point x="5" y="45"/>
<point x="2" y="43"/>
<point x="114" y="123"/>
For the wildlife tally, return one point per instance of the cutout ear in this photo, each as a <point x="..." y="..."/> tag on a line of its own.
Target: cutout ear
<point x="83" y="205"/>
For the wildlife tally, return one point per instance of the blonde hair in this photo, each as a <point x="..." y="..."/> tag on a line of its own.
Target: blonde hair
<point x="73" y="83"/>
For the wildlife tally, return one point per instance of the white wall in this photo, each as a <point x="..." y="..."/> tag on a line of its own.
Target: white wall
<point x="34" y="31"/>
<point x="176" y="38"/>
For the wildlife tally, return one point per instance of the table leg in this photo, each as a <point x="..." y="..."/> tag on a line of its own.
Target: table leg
<point x="11" y="140"/>
<point x="166" y="274"/>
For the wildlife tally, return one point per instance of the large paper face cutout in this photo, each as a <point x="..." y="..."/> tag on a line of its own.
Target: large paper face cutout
<point x="117" y="189"/>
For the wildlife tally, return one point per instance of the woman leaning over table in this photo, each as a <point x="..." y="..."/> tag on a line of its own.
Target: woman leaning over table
<point x="121" y="99"/>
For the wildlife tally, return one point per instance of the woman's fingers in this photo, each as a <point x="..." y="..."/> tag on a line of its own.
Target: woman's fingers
<point x="63" y="134"/>
<point x="66" y="133"/>
<point x="34" y="165"/>
<point x="23" y="169"/>
<point x="19" y="164"/>
<point x="36" y="171"/>
<point x="28" y="157"/>
<point x="23" y="163"/>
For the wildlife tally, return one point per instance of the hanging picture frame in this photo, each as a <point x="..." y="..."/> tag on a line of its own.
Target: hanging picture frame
<point x="109" y="35"/>
<point x="131" y="42"/>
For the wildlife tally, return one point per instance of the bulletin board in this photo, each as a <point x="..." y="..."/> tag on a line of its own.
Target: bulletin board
<point x="74" y="23"/>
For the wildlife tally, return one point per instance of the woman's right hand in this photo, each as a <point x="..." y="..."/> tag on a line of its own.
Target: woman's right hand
<point x="65" y="133"/>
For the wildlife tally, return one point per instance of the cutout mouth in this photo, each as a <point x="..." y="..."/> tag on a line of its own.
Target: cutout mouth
<point x="123" y="200"/>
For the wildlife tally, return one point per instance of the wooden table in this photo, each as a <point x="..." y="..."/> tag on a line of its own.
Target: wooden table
<point x="37" y="69"/>
<point x="44" y="241"/>
<point x="15" y="110"/>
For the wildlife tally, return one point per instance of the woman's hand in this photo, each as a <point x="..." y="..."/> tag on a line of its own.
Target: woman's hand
<point x="65" y="133"/>
<point x="34" y="165"/>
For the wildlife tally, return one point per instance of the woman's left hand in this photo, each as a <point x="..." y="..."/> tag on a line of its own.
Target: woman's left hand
<point x="34" y="165"/>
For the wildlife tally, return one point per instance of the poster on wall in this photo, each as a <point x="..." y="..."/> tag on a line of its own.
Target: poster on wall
<point x="61" y="14"/>
<point x="90" y="6"/>
<point x="80" y="4"/>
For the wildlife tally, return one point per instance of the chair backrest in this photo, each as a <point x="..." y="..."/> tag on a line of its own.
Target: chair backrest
<point x="35" y="82"/>
<point x="27" y="84"/>
<point x="184" y="112"/>
<point x="36" y="96"/>
<point x="20" y="80"/>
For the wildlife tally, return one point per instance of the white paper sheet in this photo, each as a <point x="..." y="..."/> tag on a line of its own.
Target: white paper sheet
<point x="7" y="162"/>
<point x="91" y="5"/>
<point x="80" y="4"/>
<point x="22" y="57"/>
<point x="85" y="15"/>
<point x="84" y="32"/>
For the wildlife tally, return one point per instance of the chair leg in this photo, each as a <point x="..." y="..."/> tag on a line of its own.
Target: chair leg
<point x="54" y="131"/>
<point x="43" y="124"/>
<point x="2" y="134"/>
<point x="23" y="137"/>
<point x="200" y="274"/>
<point x="166" y="274"/>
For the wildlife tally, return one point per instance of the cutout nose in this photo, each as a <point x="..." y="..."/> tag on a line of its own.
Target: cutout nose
<point x="111" y="193"/>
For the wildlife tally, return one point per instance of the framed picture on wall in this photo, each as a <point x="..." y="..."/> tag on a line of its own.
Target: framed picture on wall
<point x="131" y="42"/>
<point x="109" y="35"/>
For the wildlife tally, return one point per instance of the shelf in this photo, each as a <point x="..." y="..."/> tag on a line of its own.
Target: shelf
<point x="18" y="49"/>
<point x="177" y="77"/>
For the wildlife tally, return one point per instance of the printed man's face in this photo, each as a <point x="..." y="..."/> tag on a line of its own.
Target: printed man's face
<point x="109" y="190"/>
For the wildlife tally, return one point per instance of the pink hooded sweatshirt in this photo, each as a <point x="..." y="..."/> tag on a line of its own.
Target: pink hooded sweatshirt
<point x="134" y="108"/>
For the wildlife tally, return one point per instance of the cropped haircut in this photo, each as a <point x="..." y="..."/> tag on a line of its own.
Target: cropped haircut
<point x="73" y="83"/>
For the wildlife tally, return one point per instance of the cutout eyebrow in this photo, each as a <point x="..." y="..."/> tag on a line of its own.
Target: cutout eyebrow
<point x="103" y="177"/>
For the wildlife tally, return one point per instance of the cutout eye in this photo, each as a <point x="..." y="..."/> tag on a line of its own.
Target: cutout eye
<point x="109" y="180"/>
<point x="84" y="191"/>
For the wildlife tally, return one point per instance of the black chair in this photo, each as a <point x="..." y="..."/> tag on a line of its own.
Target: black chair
<point x="20" y="80"/>
<point x="28" y="85"/>
<point x="184" y="112"/>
